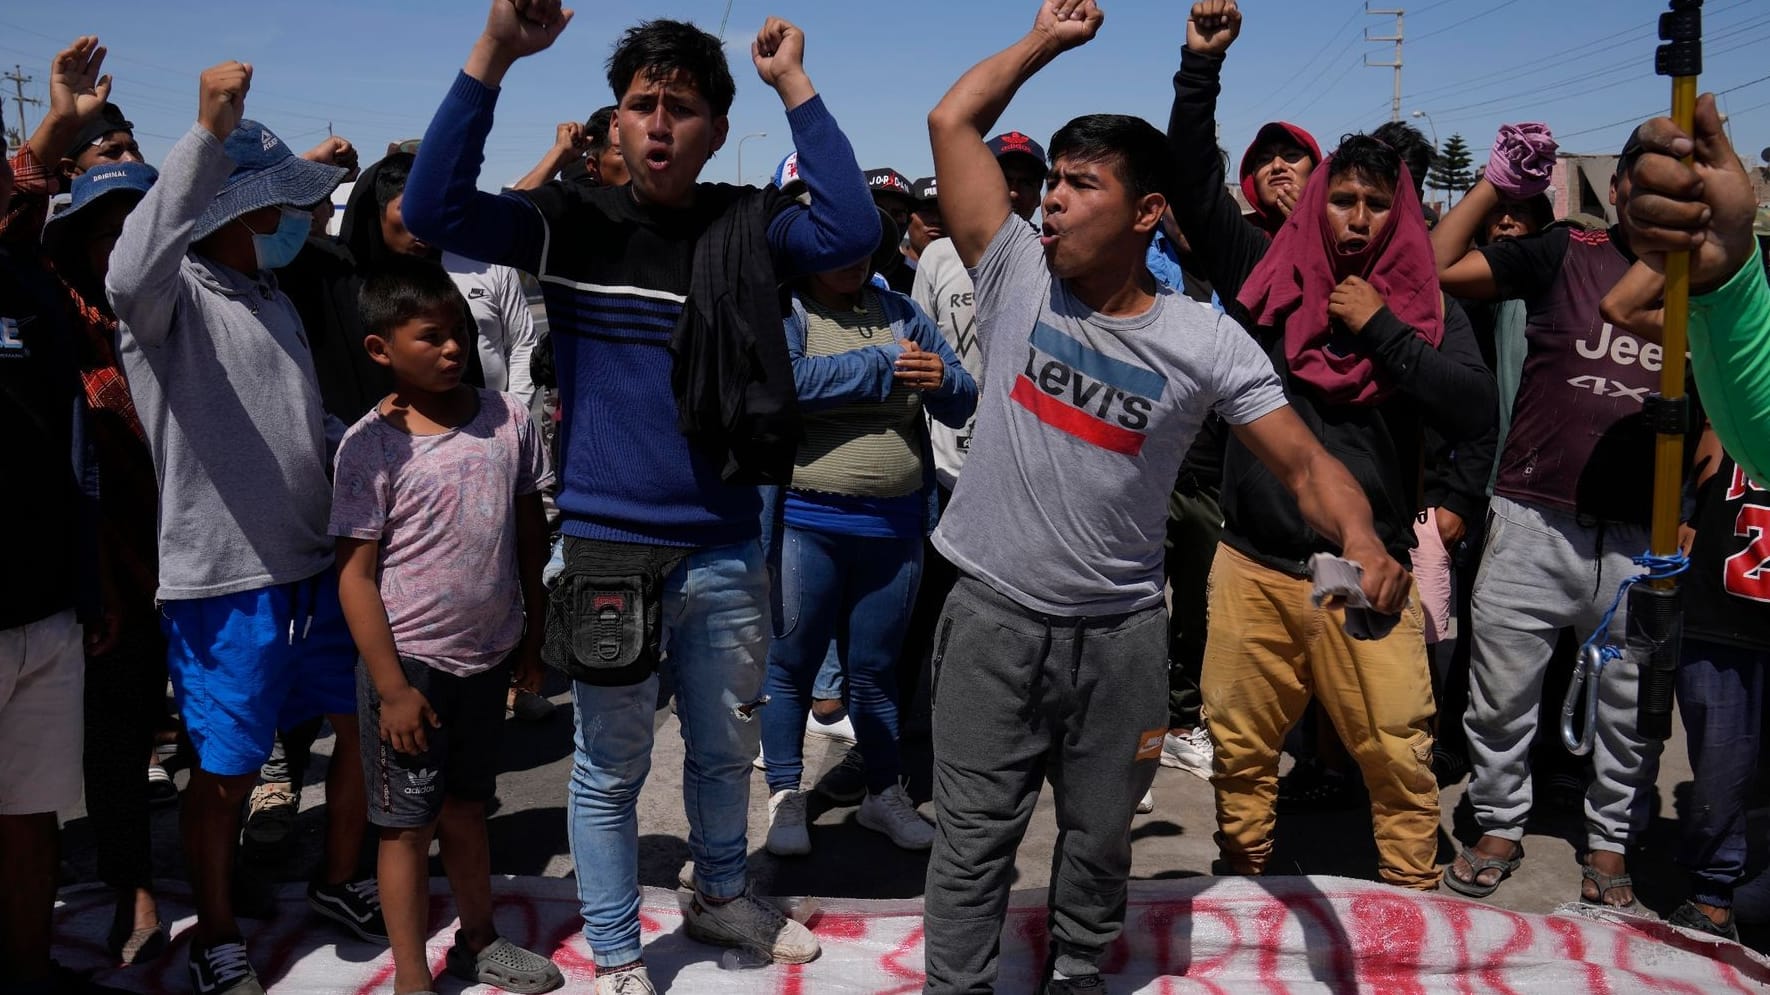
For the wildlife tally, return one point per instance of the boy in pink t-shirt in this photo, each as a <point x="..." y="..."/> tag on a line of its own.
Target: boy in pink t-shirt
<point x="441" y="537"/>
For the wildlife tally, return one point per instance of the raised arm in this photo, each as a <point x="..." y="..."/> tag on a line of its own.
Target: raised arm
<point x="1463" y="270"/>
<point x="77" y="94"/>
<point x="142" y="282"/>
<point x="443" y="204"/>
<point x="1330" y="499"/>
<point x="568" y="143"/>
<point x="1225" y="246"/>
<point x="974" y="195"/>
<point x="841" y="225"/>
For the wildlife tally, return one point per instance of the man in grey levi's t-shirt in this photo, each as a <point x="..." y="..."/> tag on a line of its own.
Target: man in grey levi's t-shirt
<point x="1050" y="658"/>
<point x="1063" y="503"/>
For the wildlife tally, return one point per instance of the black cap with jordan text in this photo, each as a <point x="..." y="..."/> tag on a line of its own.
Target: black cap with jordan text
<point x="889" y="181"/>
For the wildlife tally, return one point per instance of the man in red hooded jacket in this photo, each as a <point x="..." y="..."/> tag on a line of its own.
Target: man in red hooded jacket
<point x="1278" y="162"/>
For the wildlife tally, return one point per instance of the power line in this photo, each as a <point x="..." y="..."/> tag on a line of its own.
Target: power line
<point x="1540" y="64"/>
<point x="1472" y="17"/>
<point x="1535" y="94"/>
<point x="1324" y="91"/>
<point x="260" y="98"/>
<point x="1326" y="67"/>
<point x="18" y="79"/>
<point x="1552" y="60"/>
<point x="1357" y="9"/>
<point x="1638" y="118"/>
<point x="1430" y="7"/>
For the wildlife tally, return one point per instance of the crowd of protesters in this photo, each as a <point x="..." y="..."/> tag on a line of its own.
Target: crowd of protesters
<point x="1064" y="459"/>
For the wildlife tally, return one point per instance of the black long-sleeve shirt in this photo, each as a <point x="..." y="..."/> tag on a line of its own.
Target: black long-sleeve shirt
<point x="1448" y="388"/>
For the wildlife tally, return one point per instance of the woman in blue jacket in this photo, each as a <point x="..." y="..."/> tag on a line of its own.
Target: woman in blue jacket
<point x="870" y="368"/>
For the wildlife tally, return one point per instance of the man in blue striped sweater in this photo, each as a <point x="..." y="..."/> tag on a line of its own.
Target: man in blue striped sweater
<point x="636" y="495"/>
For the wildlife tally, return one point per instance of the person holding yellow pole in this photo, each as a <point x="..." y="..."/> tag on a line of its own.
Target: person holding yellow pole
<point x="1694" y="196"/>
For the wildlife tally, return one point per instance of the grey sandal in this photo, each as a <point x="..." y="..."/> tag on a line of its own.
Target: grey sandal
<point x="1607" y="883"/>
<point x="1479" y="865"/>
<point x="506" y="965"/>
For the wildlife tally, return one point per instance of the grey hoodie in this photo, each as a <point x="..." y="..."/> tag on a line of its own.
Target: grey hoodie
<point x="222" y="377"/>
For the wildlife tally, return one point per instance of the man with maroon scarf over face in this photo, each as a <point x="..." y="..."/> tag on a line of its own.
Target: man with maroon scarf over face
<point x="1345" y="299"/>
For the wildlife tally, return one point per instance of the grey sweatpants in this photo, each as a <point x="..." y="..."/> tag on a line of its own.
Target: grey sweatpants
<point x="1020" y="697"/>
<point x="1543" y="571"/>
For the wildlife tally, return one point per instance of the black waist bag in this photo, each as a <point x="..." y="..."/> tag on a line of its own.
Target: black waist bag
<point x="604" y="617"/>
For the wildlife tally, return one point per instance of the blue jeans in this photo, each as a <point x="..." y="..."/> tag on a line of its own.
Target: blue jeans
<point x="828" y="686"/>
<point x="715" y="641"/>
<point x="862" y="588"/>
<point x="1721" y="697"/>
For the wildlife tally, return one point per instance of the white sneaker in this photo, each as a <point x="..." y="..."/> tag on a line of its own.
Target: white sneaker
<point x="891" y="812"/>
<point x="1190" y="752"/>
<point x="761" y="762"/>
<point x="633" y="981"/>
<point x="1147" y="805"/>
<point x="749" y="923"/>
<point x="841" y="730"/>
<point x="787" y="835"/>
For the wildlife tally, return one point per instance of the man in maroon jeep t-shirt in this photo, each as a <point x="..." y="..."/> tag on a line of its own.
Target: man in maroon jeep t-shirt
<point x="1570" y="507"/>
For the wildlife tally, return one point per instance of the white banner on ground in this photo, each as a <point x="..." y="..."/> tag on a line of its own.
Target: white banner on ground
<point x="1216" y="935"/>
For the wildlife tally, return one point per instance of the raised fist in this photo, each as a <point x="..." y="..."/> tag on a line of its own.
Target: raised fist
<point x="1213" y="26"/>
<point x="519" y="28"/>
<point x="569" y="137"/>
<point x="1069" y="23"/>
<point x="221" y="97"/>
<point x="335" y="151"/>
<point x="778" y="51"/>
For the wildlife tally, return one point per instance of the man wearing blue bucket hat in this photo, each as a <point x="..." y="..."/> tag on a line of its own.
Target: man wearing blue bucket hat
<point x="125" y="654"/>
<point x="223" y="379"/>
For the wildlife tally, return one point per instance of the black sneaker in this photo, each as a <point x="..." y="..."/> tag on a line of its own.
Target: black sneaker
<point x="223" y="968"/>
<point x="355" y="905"/>
<point x="1690" y="917"/>
<point x="845" y="783"/>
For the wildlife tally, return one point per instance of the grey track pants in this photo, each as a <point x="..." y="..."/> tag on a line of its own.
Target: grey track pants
<point x="1020" y="697"/>
<point x="1542" y="571"/>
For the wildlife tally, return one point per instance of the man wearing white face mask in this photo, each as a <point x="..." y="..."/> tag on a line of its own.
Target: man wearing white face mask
<point x="223" y="379"/>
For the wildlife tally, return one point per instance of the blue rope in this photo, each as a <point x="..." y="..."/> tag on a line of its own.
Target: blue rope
<point x="1657" y="568"/>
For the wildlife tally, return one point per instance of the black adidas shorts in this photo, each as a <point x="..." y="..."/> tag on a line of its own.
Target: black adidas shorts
<point x="406" y="791"/>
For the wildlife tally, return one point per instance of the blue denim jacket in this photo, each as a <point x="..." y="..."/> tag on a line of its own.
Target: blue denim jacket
<point x="866" y="375"/>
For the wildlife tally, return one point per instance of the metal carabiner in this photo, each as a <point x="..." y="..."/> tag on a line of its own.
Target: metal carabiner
<point x="1585" y="676"/>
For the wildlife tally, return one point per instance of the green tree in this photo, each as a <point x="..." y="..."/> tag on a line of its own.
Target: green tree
<point x="1450" y="170"/>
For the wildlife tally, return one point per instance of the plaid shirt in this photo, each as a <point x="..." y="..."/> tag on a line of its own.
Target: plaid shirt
<point x="128" y="492"/>
<point x="32" y="186"/>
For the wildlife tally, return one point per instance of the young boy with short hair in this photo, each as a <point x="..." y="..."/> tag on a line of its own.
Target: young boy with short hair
<point x="441" y="537"/>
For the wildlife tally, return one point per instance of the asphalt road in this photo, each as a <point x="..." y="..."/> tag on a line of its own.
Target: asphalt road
<point x="528" y="832"/>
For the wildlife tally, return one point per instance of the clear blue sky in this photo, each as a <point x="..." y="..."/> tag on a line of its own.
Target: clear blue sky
<point x="375" y="69"/>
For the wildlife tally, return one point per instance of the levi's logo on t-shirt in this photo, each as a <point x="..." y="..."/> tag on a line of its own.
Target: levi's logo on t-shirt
<point x="1087" y="394"/>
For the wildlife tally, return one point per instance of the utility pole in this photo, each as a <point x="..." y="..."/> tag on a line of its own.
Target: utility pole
<point x="1395" y="107"/>
<point x="18" y="79"/>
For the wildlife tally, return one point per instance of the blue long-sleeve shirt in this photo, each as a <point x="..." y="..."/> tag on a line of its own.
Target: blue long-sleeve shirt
<point x="615" y="274"/>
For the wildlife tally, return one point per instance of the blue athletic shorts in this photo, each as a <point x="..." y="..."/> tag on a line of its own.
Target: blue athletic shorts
<point x="245" y="665"/>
